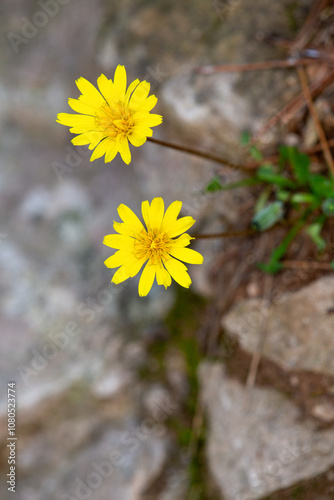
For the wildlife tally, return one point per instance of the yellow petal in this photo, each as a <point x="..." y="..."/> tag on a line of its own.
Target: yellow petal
<point x="147" y="119"/>
<point x="88" y="89"/>
<point x="146" y="280"/>
<point x="82" y="108"/>
<point x="139" y="95"/>
<point x="145" y="207"/>
<point x="100" y="150"/>
<point x="125" y="229"/>
<point x="96" y="102"/>
<point x="163" y="276"/>
<point x="120" y="83"/>
<point x="182" y="241"/>
<point x="125" y="151"/>
<point x="156" y="213"/>
<point x="149" y="103"/>
<point x="131" y="88"/>
<point x="93" y="137"/>
<point x="141" y="130"/>
<point x="111" y="151"/>
<point x="171" y="214"/>
<point x="134" y="267"/>
<point x="136" y="139"/>
<point x="178" y="271"/>
<point x="179" y="226"/>
<point x="118" y="241"/>
<point x="106" y="88"/>
<point x="71" y="120"/>
<point x="186" y="255"/>
<point x="130" y="218"/>
<point x="118" y="259"/>
<point x="120" y="276"/>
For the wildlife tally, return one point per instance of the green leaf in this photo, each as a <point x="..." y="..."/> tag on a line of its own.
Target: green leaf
<point x="268" y="216"/>
<point x="245" y="138"/>
<point x="262" y="199"/>
<point x="314" y="230"/>
<point x="328" y="207"/>
<point x="216" y="185"/>
<point x="274" y="265"/>
<point x="303" y="198"/>
<point x="256" y="154"/>
<point x="299" y="162"/>
<point x="321" y="186"/>
<point x="267" y="173"/>
<point x="282" y="195"/>
<point x="332" y="264"/>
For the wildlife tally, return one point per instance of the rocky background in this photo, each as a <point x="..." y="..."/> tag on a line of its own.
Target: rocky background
<point x="115" y="399"/>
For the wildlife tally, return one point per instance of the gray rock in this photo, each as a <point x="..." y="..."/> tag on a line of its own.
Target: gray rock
<point x="256" y="442"/>
<point x="112" y="382"/>
<point x="115" y="463"/>
<point x="298" y="330"/>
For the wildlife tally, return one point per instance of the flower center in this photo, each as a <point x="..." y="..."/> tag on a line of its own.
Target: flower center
<point x="153" y="245"/>
<point x="116" y="120"/>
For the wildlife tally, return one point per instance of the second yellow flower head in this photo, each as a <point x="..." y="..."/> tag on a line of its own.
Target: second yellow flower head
<point x="161" y="245"/>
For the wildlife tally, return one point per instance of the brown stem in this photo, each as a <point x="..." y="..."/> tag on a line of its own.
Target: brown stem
<point x="315" y="117"/>
<point x="293" y="107"/>
<point x="287" y="63"/>
<point x="302" y="264"/>
<point x="196" y="152"/>
<point x="226" y="234"/>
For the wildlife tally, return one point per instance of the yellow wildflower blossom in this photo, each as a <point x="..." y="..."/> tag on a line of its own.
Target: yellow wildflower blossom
<point x="161" y="245"/>
<point x="111" y="117"/>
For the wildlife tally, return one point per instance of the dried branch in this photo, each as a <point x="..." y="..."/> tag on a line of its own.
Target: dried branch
<point x="321" y="134"/>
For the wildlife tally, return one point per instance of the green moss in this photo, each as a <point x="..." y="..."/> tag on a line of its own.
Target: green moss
<point x="292" y="16"/>
<point x="182" y="323"/>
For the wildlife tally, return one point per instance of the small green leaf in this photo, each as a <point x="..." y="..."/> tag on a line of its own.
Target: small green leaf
<point x="274" y="265"/>
<point x="321" y="186"/>
<point x="303" y="198"/>
<point x="328" y="207"/>
<point x="299" y="162"/>
<point x="245" y="138"/>
<point x="332" y="264"/>
<point x="256" y="154"/>
<point x="267" y="173"/>
<point x="214" y="185"/>
<point x="282" y="195"/>
<point x="314" y="230"/>
<point x="270" y="268"/>
<point x="268" y="216"/>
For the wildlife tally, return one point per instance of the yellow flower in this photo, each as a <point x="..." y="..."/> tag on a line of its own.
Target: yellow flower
<point x="111" y="117"/>
<point x="156" y="244"/>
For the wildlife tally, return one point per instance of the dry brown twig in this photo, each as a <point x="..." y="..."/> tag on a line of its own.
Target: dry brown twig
<point x="313" y="112"/>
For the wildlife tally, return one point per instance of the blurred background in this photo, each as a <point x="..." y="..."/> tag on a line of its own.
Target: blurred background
<point x="111" y="388"/>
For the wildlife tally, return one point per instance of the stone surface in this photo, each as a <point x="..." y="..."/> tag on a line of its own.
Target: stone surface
<point x="256" y="441"/>
<point x="296" y="330"/>
<point x="75" y="344"/>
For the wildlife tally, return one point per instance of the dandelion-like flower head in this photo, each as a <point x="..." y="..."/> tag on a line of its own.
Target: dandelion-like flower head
<point x="111" y="117"/>
<point x="161" y="245"/>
